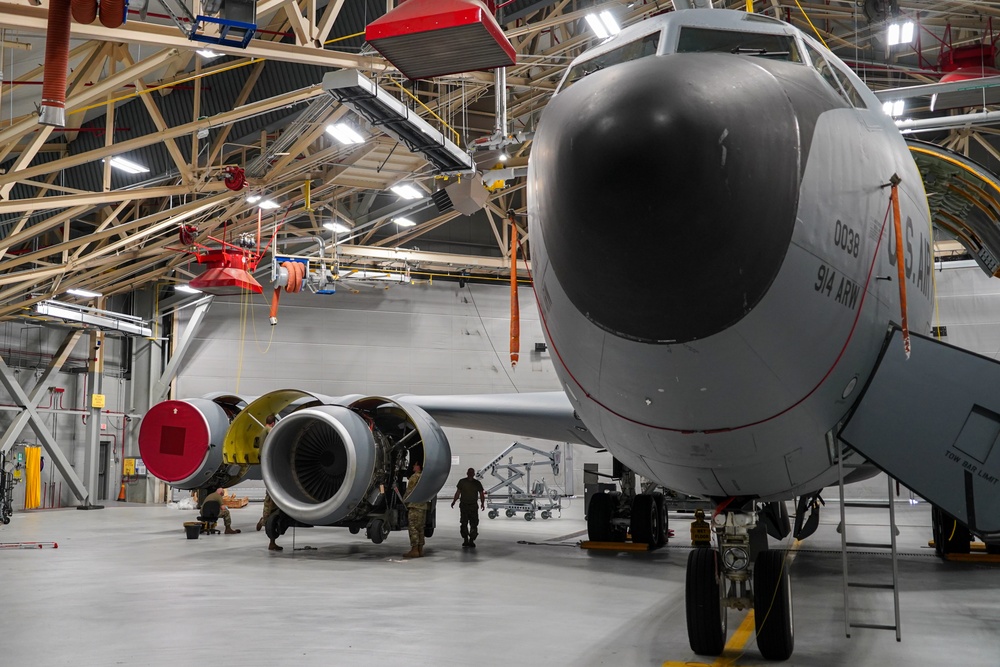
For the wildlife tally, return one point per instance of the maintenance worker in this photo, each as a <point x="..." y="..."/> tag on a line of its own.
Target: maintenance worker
<point x="219" y="496"/>
<point x="417" y="515"/>
<point x="269" y="505"/>
<point x="467" y="490"/>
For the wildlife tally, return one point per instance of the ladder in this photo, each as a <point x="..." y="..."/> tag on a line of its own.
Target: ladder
<point x="844" y="544"/>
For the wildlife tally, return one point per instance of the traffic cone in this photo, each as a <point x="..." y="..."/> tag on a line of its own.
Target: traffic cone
<point x="121" y="492"/>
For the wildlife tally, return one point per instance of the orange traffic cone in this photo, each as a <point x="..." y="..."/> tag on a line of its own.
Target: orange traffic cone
<point x="121" y="492"/>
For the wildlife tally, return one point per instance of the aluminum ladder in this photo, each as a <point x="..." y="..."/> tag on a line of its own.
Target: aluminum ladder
<point x="844" y="544"/>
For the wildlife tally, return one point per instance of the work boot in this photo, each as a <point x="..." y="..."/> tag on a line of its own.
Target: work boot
<point x="273" y="546"/>
<point x="472" y="545"/>
<point x="230" y="531"/>
<point x="414" y="552"/>
<point x="465" y="543"/>
<point x="260" y="524"/>
<point x="420" y="550"/>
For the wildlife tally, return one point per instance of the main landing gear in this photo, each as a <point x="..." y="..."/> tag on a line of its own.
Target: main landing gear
<point x="741" y="573"/>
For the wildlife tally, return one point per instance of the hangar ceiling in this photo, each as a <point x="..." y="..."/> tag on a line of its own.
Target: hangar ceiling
<point x="140" y="91"/>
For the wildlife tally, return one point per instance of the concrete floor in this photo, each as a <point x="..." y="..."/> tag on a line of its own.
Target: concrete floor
<point x="125" y="587"/>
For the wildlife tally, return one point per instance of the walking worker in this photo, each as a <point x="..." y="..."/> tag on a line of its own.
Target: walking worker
<point x="269" y="506"/>
<point x="417" y="515"/>
<point x="468" y="488"/>
<point x="218" y="496"/>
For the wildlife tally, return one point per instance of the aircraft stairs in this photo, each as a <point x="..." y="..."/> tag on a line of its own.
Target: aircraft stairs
<point x="846" y="544"/>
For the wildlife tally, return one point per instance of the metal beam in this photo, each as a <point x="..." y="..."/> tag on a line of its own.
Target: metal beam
<point x="49" y="443"/>
<point x="100" y="198"/>
<point x="158" y="391"/>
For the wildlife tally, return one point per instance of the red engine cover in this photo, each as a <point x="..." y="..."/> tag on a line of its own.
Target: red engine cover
<point x="173" y="440"/>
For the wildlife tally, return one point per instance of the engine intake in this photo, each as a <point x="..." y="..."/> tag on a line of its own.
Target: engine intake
<point x="326" y="464"/>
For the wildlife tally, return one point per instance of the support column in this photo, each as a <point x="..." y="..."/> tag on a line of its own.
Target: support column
<point x="95" y="403"/>
<point x="162" y="385"/>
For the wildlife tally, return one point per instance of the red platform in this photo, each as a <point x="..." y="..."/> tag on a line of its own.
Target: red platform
<point x="425" y="38"/>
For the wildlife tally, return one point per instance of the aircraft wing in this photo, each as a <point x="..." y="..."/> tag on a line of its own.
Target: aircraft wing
<point x="546" y="415"/>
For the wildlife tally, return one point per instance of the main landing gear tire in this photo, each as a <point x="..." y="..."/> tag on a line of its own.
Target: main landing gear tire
<point x="661" y="510"/>
<point x="599" y="515"/>
<point x="772" y="606"/>
<point x="706" y="616"/>
<point x="646" y="526"/>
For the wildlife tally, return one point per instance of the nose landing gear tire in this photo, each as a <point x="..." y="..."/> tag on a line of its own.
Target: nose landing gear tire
<point x="706" y="615"/>
<point x="772" y="606"/>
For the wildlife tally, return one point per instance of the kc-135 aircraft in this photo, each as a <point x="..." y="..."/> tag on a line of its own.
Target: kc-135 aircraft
<point x="737" y="178"/>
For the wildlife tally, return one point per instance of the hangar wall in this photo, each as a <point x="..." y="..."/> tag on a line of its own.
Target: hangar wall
<point x="425" y="338"/>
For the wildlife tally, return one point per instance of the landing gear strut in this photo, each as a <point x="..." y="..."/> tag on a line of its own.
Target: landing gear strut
<point x="740" y="573"/>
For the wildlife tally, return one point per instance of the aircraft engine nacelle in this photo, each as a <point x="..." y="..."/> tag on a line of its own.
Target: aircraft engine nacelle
<point x="332" y="463"/>
<point x="181" y="441"/>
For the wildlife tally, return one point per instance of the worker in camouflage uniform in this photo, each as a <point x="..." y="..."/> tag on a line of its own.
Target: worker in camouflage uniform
<point x="417" y="515"/>
<point x="269" y="505"/>
<point x="469" y="491"/>
<point x="217" y="496"/>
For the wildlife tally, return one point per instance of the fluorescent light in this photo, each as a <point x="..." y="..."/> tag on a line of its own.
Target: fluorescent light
<point x="208" y="54"/>
<point x="269" y="204"/>
<point x="403" y="222"/>
<point x="407" y="192"/>
<point x="604" y="24"/>
<point x="933" y="101"/>
<point x="104" y="319"/>
<point x="337" y="227"/>
<point x="127" y="166"/>
<point x="344" y="133"/>
<point x="503" y="157"/>
<point x="187" y="289"/>
<point x="900" y="33"/>
<point x="87" y="294"/>
<point x="253" y="199"/>
<point x="894" y="108"/>
<point x="597" y="26"/>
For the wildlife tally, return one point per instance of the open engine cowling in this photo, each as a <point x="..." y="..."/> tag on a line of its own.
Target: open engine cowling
<point x="329" y="463"/>
<point x="181" y="441"/>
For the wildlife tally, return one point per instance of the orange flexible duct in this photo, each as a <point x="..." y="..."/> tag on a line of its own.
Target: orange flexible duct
<point x="112" y="13"/>
<point x="53" y="110"/>
<point x="296" y="278"/>
<point x="899" y="262"/>
<point x="84" y="11"/>
<point x="515" y="313"/>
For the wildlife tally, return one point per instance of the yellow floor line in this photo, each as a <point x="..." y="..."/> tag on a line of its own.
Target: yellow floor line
<point x="735" y="647"/>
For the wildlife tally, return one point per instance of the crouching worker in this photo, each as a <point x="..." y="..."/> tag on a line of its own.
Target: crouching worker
<point x="218" y="495"/>
<point x="417" y="515"/>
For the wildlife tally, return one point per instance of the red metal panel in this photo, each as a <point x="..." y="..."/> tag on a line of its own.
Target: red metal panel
<point x="419" y="38"/>
<point x="173" y="440"/>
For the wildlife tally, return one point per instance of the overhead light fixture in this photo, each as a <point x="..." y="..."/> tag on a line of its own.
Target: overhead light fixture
<point x="604" y="24"/>
<point x="187" y="289"/>
<point x="504" y="157"/>
<point x="407" y="192"/>
<point x="900" y="33"/>
<point x="208" y="54"/>
<point x="269" y="204"/>
<point x="403" y="222"/>
<point x="127" y="166"/>
<point x="894" y="109"/>
<point x="103" y="319"/>
<point x="344" y="133"/>
<point x="253" y="199"/>
<point x="85" y="293"/>
<point x="337" y="227"/>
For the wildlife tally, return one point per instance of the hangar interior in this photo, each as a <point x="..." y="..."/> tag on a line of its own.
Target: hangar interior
<point x="405" y="294"/>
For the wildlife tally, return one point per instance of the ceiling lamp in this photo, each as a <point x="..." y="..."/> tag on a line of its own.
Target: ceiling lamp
<point x="407" y="192"/>
<point x="604" y="24"/>
<point x="337" y="227"/>
<point x="127" y="166"/>
<point x="208" y="54"/>
<point x="900" y="33"/>
<point x="344" y="133"/>
<point x="253" y="199"/>
<point x="895" y="108"/>
<point x="87" y="294"/>
<point x="187" y="289"/>
<point x="403" y="222"/>
<point x="269" y="205"/>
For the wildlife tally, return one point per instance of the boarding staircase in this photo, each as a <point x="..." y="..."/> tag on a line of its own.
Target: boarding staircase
<point x="845" y="543"/>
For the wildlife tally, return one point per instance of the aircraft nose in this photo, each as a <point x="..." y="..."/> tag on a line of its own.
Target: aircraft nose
<point x="675" y="176"/>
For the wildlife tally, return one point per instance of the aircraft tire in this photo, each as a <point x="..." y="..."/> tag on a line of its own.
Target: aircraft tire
<point x="772" y="606"/>
<point x="706" y="617"/>
<point x="599" y="515"/>
<point x="276" y="525"/>
<point x="354" y="530"/>
<point x="377" y="531"/>
<point x="661" y="510"/>
<point x="950" y="536"/>
<point x="646" y="521"/>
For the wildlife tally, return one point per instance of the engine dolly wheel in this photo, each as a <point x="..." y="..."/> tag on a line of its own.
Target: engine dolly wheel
<point x="354" y="529"/>
<point x="772" y="606"/>
<point x="546" y="514"/>
<point x="510" y="513"/>
<point x="377" y="531"/>
<point x="599" y="515"/>
<point x="646" y="528"/>
<point x="493" y="514"/>
<point x="706" y="615"/>
<point x="528" y="516"/>
<point x="276" y="525"/>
